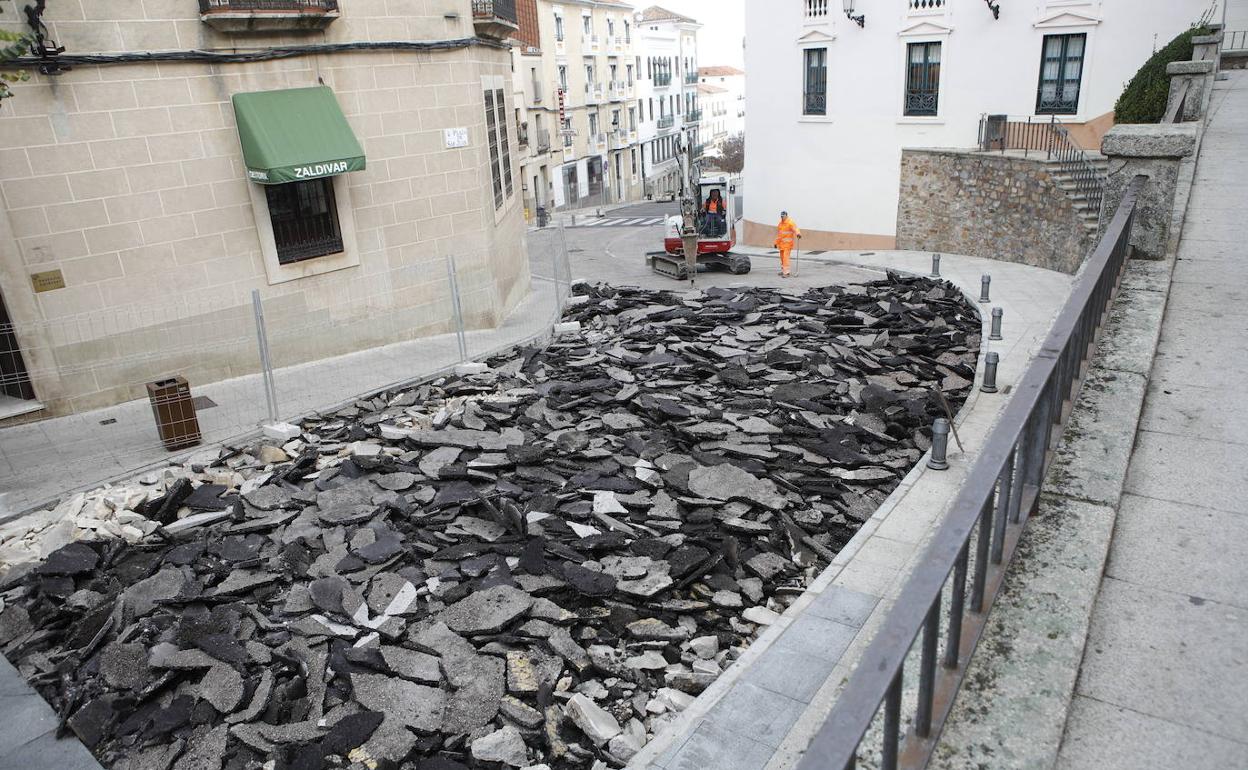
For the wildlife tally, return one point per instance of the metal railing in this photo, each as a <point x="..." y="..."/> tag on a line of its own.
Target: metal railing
<point x="693" y="116"/>
<point x="299" y="6"/>
<point x="667" y="121"/>
<point x="976" y="541"/>
<point x="925" y="5"/>
<point x="1235" y="41"/>
<point x="816" y="9"/>
<point x="663" y="78"/>
<point x="1051" y="137"/>
<point x="501" y="9"/>
<point x="691" y="77"/>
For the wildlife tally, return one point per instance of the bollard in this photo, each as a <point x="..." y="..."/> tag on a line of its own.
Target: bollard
<point x="984" y="284"/>
<point x="574" y="220"/>
<point x="997" y="313"/>
<point x="990" y="373"/>
<point x="940" y="445"/>
<point x="935" y="266"/>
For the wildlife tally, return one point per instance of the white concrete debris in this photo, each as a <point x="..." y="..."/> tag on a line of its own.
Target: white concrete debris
<point x="597" y="723"/>
<point x="760" y="615"/>
<point x="282" y="431"/>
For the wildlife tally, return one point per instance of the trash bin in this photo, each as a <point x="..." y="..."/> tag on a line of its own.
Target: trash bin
<point x="175" y="413"/>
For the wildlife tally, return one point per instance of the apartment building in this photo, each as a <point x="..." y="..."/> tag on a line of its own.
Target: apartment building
<point x="575" y="84"/>
<point x="715" y="108"/>
<point x="169" y="157"/>
<point x="668" y="99"/>
<point x="732" y="80"/>
<point x="834" y="96"/>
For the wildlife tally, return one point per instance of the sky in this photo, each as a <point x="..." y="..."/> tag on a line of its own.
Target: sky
<point x="723" y="27"/>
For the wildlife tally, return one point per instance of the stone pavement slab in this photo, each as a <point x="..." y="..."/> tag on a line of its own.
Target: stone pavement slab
<point x="1182" y="469"/>
<point x="1171" y="546"/>
<point x="28" y="731"/>
<point x="1171" y="655"/>
<point x="1139" y="742"/>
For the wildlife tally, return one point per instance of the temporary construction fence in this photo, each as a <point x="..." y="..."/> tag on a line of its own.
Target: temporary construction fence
<point x="273" y="357"/>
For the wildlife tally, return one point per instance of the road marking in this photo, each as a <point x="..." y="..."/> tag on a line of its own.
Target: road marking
<point x="621" y="222"/>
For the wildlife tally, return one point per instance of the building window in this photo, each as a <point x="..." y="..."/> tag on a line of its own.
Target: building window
<point x="558" y="28"/>
<point x="500" y="150"/>
<point x="633" y="156"/>
<point x="815" y="91"/>
<point x="922" y="79"/>
<point x="1061" y="72"/>
<point x="563" y="77"/>
<point x="587" y="24"/>
<point x="305" y="219"/>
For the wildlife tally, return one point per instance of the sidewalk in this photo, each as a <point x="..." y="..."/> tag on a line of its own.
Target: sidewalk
<point x="42" y="461"/>
<point x="1164" y="679"/>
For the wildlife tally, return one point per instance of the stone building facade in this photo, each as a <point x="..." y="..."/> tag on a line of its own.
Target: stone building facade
<point x="575" y="83"/>
<point x="987" y="205"/>
<point x="132" y="217"/>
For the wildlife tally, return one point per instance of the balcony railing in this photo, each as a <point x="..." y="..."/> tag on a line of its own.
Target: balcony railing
<point x="495" y="18"/>
<point x="267" y="15"/>
<point x="925" y="6"/>
<point x="522" y="134"/>
<point x="667" y="121"/>
<point x="294" y="6"/>
<point x="691" y="77"/>
<point x="817" y="9"/>
<point x="1048" y="137"/>
<point x="541" y="140"/>
<point x="693" y="116"/>
<point x="593" y="93"/>
<point x="663" y="79"/>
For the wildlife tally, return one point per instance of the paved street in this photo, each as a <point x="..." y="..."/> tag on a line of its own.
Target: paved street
<point x="1164" y="680"/>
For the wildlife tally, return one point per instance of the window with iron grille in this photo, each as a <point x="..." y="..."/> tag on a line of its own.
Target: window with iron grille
<point x="1061" y="73"/>
<point x="815" y="90"/>
<point x="496" y="171"/>
<point x="305" y="219"/>
<point x="500" y="105"/>
<point x="922" y="79"/>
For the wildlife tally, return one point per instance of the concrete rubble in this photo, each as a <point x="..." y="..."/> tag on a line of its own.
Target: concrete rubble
<point x="537" y="564"/>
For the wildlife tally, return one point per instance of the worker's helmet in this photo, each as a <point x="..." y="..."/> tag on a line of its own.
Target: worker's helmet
<point x="784" y="213"/>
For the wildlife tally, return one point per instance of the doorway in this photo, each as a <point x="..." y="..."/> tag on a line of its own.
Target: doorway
<point x="15" y="388"/>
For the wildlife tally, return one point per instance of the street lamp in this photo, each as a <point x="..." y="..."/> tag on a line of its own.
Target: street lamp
<point x="860" y="19"/>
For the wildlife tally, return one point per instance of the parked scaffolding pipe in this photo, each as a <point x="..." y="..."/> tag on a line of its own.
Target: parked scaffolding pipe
<point x="266" y="362"/>
<point x="457" y="308"/>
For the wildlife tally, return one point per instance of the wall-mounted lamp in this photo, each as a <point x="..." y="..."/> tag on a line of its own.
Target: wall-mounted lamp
<point x="860" y="19"/>
<point x="995" y="8"/>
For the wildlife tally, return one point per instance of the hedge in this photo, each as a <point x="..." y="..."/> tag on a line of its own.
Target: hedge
<point x="1144" y="99"/>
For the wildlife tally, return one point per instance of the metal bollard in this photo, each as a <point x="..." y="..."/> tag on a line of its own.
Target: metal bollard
<point x="940" y="445"/>
<point x="990" y="373"/>
<point x="935" y="265"/>
<point x="997" y="314"/>
<point x="984" y="284"/>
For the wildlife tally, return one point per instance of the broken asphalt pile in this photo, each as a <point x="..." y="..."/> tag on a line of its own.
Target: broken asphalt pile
<point x="541" y="564"/>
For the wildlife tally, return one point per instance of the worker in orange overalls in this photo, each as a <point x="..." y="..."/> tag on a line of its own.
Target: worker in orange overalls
<point x="787" y="236"/>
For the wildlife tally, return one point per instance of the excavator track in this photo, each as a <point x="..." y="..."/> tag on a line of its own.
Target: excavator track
<point x="674" y="266"/>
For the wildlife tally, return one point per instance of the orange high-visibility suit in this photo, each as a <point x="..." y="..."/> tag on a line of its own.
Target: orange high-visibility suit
<point x="787" y="233"/>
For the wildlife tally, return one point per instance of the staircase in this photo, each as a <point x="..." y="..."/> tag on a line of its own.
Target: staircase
<point x="1072" y="179"/>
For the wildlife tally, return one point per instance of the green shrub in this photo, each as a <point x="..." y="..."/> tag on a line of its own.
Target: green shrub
<point x="1144" y="99"/>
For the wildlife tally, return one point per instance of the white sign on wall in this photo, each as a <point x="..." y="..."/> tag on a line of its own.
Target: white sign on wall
<point x="456" y="137"/>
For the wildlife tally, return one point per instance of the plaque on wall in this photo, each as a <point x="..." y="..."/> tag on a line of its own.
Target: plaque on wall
<point x="49" y="280"/>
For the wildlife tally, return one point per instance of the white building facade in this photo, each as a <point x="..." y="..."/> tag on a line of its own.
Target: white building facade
<point x="575" y="83"/>
<point x="732" y="81"/>
<point x="831" y="103"/>
<point x="667" y="94"/>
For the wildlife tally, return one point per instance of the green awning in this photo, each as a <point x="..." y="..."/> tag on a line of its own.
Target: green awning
<point x="295" y="134"/>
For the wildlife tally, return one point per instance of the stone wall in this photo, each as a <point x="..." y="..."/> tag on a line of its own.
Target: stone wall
<point x="988" y="205"/>
<point x="129" y="179"/>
